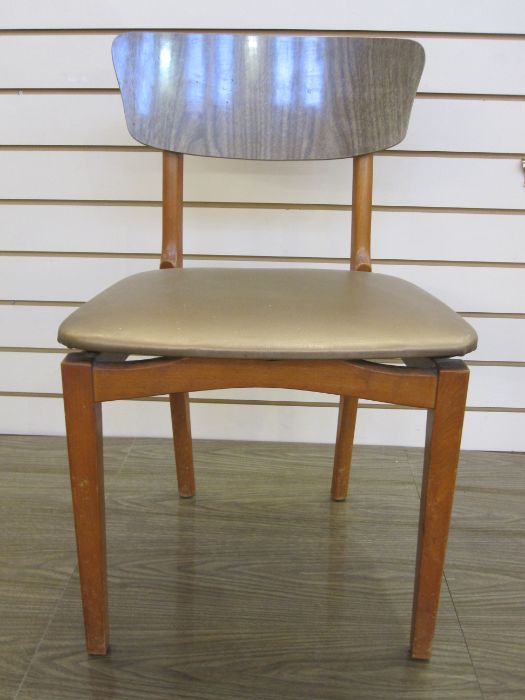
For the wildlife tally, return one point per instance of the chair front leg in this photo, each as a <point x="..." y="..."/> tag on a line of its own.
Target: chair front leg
<point x="180" y="419"/>
<point x="84" y="440"/>
<point x="444" y="426"/>
<point x="343" y="447"/>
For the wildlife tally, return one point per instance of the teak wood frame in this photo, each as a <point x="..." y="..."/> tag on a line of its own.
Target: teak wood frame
<point x="438" y="385"/>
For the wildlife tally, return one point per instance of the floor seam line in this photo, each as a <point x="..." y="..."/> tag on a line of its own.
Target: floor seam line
<point x="44" y="633"/>
<point x="412" y="475"/>
<point x="463" y="635"/>
<point x="111" y="479"/>
<point x="61" y="595"/>
<point x="452" y="600"/>
<point x="126" y="457"/>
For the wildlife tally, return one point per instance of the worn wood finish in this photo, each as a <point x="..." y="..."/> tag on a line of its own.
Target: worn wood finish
<point x="180" y="418"/>
<point x="172" y="186"/>
<point x="266" y="97"/>
<point x="391" y="384"/>
<point x="362" y="213"/>
<point x="84" y="440"/>
<point x="344" y="444"/>
<point x="444" y="426"/>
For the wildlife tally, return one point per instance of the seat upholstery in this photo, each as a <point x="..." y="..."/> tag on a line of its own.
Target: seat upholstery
<point x="269" y="313"/>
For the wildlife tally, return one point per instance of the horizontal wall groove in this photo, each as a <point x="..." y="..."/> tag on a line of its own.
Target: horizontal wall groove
<point x="38" y="302"/>
<point x="488" y="314"/>
<point x="85" y="202"/>
<point x="21" y="90"/>
<point x="496" y="155"/>
<point x="394" y="153"/>
<point x="58" y="302"/>
<point x="494" y="363"/>
<point x="497" y="97"/>
<point x="91" y="148"/>
<point x="376" y="261"/>
<point x="260" y="258"/>
<point x="58" y="91"/>
<point x="405" y="34"/>
<point x="255" y="402"/>
<point x="258" y="205"/>
<point x="43" y="351"/>
<point x="64" y="350"/>
<point x="31" y="394"/>
<point x="448" y="210"/>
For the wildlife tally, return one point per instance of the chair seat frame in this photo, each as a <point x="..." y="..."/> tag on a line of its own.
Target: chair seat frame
<point x="437" y="385"/>
<point x="90" y="379"/>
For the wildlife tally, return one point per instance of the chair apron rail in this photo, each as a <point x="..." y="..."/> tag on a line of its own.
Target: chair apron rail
<point x="377" y="382"/>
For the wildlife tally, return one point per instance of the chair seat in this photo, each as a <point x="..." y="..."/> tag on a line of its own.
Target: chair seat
<point x="276" y="313"/>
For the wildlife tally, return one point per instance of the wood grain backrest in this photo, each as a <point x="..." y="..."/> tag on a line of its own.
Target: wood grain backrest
<point x="266" y="97"/>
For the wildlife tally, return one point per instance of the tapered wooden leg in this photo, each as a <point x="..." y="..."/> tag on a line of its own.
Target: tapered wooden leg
<point x="84" y="440"/>
<point x="180" y="418"/>
<point x="444" y="426"/>
<point x="344" y="444"/>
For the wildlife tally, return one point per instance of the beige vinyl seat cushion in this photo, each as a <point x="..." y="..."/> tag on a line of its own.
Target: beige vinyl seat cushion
<point x="270" y="313"/>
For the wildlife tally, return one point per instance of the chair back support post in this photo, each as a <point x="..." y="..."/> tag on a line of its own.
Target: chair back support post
<point x="361" y="213"/>
<point x="172" y="183"/>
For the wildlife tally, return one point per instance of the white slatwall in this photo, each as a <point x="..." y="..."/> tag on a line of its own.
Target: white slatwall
<point x="80" y="61"/>
<point x="505" y="16"/>
<point x="79" y="205"/>
<point x="437" y="124"/>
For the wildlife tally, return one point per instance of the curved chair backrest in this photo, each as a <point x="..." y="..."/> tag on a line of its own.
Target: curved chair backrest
<point x="266" y="97"/>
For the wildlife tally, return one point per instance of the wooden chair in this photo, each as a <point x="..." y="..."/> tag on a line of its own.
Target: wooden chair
<point x="269" y="98"/>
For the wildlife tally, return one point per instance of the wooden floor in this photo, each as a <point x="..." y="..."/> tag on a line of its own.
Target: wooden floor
<point x="260" y="588"/>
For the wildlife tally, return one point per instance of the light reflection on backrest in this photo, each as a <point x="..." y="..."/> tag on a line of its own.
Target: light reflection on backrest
<point x="267" y="97"/>
<point x="146" y="79"/>
<point x="312" y="70"/>
<point x="194" y="73"/>
<point x="224" y="68"/>
<point x="284" y="59"/>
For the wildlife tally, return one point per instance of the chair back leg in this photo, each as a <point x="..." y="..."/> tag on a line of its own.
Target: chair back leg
<point x="444" y="426"/>
<point x="344" y="444"/>
<point x="180" y="419"/>
<point x="84" y="440"/>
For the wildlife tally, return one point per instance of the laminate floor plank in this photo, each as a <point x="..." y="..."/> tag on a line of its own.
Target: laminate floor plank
<point x="487" y="564"/>
<point x="259" y="587"/>
<point x="205" y="642"/>
<point x="25" y="453"/>
<point x="485" y="568"/>
<point x="37" y="549"/>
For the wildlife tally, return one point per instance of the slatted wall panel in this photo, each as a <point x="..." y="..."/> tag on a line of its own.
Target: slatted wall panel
<point x="79" y="205"/>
